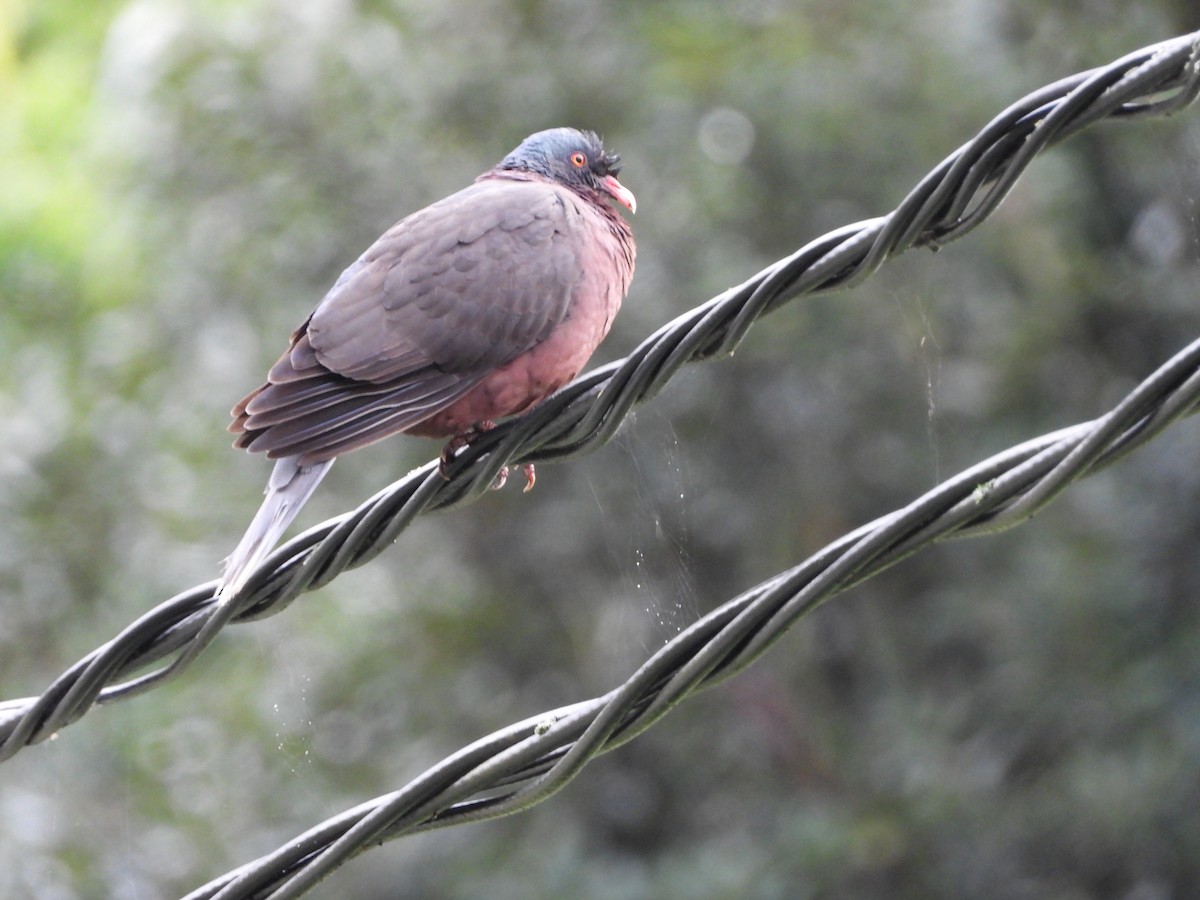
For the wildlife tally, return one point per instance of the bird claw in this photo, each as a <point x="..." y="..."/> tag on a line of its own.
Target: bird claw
<point x="459" y="441"/>
<point x="502" y="478"/>
<point x="447" y="456"/>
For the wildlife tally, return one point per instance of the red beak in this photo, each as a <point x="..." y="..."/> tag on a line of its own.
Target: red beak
<point x="619" y="192"/>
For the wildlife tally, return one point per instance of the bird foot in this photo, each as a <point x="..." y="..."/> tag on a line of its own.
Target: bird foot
<point x="459" y="441"/>
<point x="502" y="478"/>
<point x="447" y="455"/>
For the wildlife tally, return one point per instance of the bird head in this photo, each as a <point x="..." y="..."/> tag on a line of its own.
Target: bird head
<point x="574" y="158"/>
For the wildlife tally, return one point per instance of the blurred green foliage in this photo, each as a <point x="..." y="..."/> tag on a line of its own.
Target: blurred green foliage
<point x="1017" y="716"/>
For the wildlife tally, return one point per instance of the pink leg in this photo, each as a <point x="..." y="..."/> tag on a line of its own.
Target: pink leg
<point x="459" y="441"/>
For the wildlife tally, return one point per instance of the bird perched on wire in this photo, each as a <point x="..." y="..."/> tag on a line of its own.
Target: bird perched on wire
<point x="474" y="308"/>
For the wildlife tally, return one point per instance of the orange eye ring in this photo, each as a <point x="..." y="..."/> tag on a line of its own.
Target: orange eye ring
<point x="578" y="160"/>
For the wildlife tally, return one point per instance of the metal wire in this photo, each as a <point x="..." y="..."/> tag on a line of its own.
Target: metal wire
<point x="538" y="756"/>
<point x="523" y="764"/>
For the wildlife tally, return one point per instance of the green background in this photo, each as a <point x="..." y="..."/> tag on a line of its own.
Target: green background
<point x="1015" y="716"/>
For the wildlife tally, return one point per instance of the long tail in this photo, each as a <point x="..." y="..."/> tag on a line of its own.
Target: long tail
<point x="290" y="486"/>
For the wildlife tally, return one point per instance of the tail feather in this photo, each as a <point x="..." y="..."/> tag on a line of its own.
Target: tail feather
<point x="289" y="487"/>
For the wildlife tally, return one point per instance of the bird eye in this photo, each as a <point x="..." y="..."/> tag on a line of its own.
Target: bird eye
<point x="578" y="160"/>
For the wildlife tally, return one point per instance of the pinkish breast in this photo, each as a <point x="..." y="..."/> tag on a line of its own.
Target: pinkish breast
<point x="548" y="365"/>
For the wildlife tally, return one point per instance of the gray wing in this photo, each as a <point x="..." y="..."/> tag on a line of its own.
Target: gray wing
<point x="441" y="300"/>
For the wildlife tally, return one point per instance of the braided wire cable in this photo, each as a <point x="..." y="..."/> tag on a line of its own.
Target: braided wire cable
<point x="522" y="765"/>
<point x="951" y="200"/>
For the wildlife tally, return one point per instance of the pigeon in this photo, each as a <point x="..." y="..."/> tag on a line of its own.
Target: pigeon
<point x="472" y="309"/>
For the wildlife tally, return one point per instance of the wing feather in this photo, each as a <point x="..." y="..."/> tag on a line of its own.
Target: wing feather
<point x="442" y="299"/>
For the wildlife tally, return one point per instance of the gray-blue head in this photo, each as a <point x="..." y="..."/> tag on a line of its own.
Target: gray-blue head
<point x="573" y="158"/>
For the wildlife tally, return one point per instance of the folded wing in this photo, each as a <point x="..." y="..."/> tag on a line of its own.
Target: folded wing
<point x="442" y="299"/>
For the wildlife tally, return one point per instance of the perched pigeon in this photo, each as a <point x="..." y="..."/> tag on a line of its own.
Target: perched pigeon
<point x="474" y="308"/>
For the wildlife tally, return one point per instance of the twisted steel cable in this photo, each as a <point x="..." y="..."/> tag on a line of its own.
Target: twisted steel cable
<point x="521" y="765"/>
<point x="997" y="493"/>
<point x="951" y="200"/>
